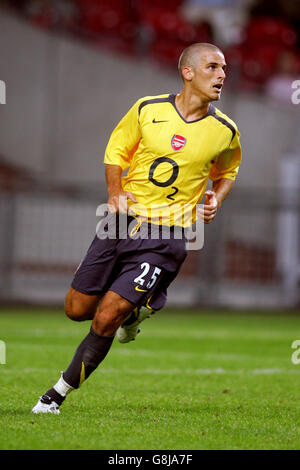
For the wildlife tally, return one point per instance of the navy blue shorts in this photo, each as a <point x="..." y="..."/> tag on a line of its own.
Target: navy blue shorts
<point x="139" y="269"/>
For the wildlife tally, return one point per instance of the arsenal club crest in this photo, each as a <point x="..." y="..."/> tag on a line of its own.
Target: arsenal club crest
<point x="178" y="142"/>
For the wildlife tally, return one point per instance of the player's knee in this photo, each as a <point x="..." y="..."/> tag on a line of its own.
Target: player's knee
<point x="75" y="309"/>
<point x="108" y="319"/>
<point x="74" y="313"/>
<point x="103" y="322"/>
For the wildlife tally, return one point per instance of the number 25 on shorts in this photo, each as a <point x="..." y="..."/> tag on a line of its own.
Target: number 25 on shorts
<point x="145" y="267"/>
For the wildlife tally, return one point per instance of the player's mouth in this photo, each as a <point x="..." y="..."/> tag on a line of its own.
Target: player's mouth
<point x="218" y="87"/>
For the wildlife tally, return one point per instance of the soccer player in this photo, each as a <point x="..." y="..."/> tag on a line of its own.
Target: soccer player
<point x="171" y="145"/>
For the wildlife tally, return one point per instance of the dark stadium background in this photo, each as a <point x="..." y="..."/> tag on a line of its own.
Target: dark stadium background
<point x="72" y="68"/>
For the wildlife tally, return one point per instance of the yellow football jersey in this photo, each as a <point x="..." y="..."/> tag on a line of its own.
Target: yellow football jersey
<point x="169" y="159"/>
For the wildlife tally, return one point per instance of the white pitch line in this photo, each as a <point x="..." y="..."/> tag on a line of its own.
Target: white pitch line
<point x="217" y="334"/>
<point x="172" y="371"/>
<point x="204" y="371"/>
<point x="151" y="332"/>
<point x="127" y="351"/>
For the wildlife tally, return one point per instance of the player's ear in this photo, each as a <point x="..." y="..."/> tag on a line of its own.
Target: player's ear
<point x="187" y="73"/>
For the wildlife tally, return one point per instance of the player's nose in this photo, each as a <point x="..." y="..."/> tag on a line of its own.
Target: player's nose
<point x="221" y="74"/>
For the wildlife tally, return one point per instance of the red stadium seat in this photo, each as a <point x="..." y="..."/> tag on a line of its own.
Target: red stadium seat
<point x="166" y="52"/>
<point x="264" y="41"/>
<point x="259" y="65"/>
<point x="144" y="5"/>
<point x="172" y="35"/>
<point x="270" y="30"/>
<point x="113" y="18"/>
<point x="166" y="24"/>
<point x="163" y="21"/>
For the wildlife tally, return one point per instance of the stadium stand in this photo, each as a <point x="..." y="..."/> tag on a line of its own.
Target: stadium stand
<point x="242" y="253"/>
<point x="160" y="31"/>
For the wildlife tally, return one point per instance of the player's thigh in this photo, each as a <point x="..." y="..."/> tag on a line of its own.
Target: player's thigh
<point x="111" y="312"/>
<point x="79" y="306"/>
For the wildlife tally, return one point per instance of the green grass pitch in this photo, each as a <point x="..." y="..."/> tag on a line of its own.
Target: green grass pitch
<point x="189" y="381"/>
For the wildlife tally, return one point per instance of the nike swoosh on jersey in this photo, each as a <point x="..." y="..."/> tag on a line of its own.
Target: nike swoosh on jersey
<point x="140" y="290"/>
<point x="156" y="122"/>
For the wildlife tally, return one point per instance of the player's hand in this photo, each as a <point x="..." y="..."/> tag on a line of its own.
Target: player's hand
<point x="118" y="202"/>
<point x="208" y="212"/>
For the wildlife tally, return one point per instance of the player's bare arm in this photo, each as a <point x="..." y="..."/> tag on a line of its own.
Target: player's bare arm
<point x="117" y="198"/>
<point x="214" y="199"/>
<point x="222" y="188"/>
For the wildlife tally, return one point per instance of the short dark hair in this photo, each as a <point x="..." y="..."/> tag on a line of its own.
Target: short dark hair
<point x="189" y="55"/>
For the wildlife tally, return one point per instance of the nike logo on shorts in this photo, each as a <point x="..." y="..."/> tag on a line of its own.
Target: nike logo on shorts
<point x="140" y="290"/>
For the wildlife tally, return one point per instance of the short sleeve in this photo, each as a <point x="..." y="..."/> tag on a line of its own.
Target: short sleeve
<point x="228" y="162"/>
<point x="124" y="139"/>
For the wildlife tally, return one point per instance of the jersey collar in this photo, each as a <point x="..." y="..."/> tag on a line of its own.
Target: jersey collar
<point x="210" y="112"/>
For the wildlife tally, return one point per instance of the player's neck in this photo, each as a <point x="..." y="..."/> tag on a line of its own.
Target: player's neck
<point x="191" y="106"/>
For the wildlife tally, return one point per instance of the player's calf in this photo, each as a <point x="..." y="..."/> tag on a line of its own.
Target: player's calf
<point x="91" y="351"/>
